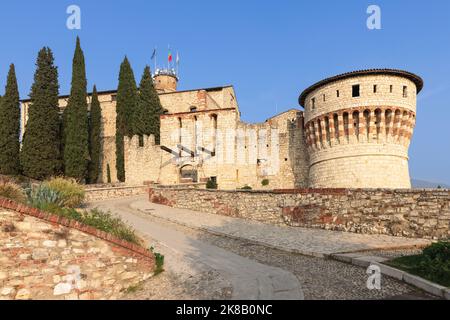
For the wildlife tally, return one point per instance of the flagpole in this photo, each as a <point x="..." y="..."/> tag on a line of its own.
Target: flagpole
<point x="156" y="53"/>
<point x="177" y="63"/>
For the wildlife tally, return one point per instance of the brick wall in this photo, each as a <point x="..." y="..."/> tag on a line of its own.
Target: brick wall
<point x="409" y="213"/>
<point x="44" y="256"/>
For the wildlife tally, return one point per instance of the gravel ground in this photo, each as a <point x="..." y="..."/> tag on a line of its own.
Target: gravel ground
<point x="171" y="286"/>
<point x="320" y="278"/>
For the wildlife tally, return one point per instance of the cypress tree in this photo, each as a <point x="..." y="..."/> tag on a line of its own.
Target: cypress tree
<point x="76" y="151"/>
<point x="40" y="156"/>
<point x="126" y="105"/>
<point x="146" y="117"/>
<point x="95" y="120"/>
<point x="10" y="126"/>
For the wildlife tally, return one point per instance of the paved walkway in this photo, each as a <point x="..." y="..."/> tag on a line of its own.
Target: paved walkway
<point x="313" y="242"/>
<point x="250" y="279"/>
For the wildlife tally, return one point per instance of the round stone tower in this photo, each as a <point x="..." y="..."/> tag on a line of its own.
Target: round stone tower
<point x="165" y="80"/>
<point x="358" y="128"/>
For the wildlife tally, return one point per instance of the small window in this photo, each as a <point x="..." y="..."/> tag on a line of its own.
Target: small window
<point x="324" y="98"/>
<point x="114" y="97"/>
<point x="193" y="109"/>
<point x="337" y="93"/>
<point x="391" y="88"/>
<point x="405" y="92"/>
<point x="374" y="88"/>
<point x="313" y="103"/>
<point x="355" y="90"/>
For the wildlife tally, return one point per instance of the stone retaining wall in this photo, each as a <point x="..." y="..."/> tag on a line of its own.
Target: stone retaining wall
<point x="410" y="213"/>
<point x="44" y="256"/>
<point x="99" y="194"/>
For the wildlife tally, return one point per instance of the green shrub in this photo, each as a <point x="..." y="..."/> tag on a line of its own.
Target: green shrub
<point x="433" y="264"/>
<point x="247" y="187"/>
<point x="71" y="193"/>
<point x="41" y="196"/>
<point x="211" y="184"/>
<point x="12" y="191"/>
<point x="159" y="261"/>
<point x="106" y="222"/>
<point x="265" y="182"/>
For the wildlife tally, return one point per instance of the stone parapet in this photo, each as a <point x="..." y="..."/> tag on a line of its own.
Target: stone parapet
<point x="397" y="212"/>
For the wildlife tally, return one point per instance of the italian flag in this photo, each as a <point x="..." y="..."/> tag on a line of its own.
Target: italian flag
<point x="170" y="56"/>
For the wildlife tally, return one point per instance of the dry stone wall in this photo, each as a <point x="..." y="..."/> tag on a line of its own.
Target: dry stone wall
<point x="47" y="257"/>
<point x="105" y="193"/>
<point x="402" y="212"/>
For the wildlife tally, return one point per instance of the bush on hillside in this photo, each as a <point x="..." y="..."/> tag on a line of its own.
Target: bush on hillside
<point x="105" y="221"/>
<point x="71" y="193"/>
<point x="12" y="191"/>
<point x="42" y="196"/>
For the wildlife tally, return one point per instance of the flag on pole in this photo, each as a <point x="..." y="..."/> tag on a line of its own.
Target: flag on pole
<point x="178" y="58"/>
<point x="153" y="54"/>
<point x="170" y="56"/>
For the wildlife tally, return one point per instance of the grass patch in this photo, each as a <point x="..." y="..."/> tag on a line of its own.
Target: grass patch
<point x="159" y="261"/>
<point x="12" y="191"/>
<point x="49" y="198"/>
<point x="133" y="289"/>
<point x="70" y="191"/>
<point x="433" y="264"/>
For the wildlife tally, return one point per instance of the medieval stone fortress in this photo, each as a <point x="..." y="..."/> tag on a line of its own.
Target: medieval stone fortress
<point x="354" y="132"/>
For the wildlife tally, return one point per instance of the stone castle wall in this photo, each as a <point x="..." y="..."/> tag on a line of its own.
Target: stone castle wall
<point x="409" y="213"/>
<point x="214" y="143"/>
<point x="360" y="142"/>
<point x="54" y="258"/>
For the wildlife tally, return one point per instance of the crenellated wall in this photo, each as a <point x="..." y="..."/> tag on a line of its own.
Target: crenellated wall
<point x="214" y="143"/>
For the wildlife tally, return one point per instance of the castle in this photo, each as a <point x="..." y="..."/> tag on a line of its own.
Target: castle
<point x="354" y="132"/>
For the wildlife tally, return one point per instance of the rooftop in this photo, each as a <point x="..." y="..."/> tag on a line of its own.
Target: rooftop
<point x="368" y="72"/>
<point x="115" y="91"/>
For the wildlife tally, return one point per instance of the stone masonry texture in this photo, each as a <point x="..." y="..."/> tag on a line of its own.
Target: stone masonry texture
<point x="408" y="213"/>
<point x="45" y="257"/>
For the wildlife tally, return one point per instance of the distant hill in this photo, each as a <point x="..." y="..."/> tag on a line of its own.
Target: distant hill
<point x="422" y="184"/>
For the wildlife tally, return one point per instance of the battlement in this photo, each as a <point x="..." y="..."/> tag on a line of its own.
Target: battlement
<point x="138" y="143"/>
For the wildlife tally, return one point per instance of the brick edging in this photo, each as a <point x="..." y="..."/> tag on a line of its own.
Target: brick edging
<point x="55" y="219"/>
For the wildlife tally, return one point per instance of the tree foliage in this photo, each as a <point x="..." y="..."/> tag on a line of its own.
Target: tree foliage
<point x="95" y="121"/>
<point x="10" y="126"/>
<point x="76" y="153"/>
<point x="40" y="156"/>
<point x="126" y="105"/>
<point x="146" y="117"/>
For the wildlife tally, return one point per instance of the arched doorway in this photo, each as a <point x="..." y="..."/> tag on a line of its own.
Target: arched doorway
<point x="188" y="174"/>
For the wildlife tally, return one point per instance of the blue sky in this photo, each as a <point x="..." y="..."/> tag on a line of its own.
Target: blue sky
<point x="269" y="50"/>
